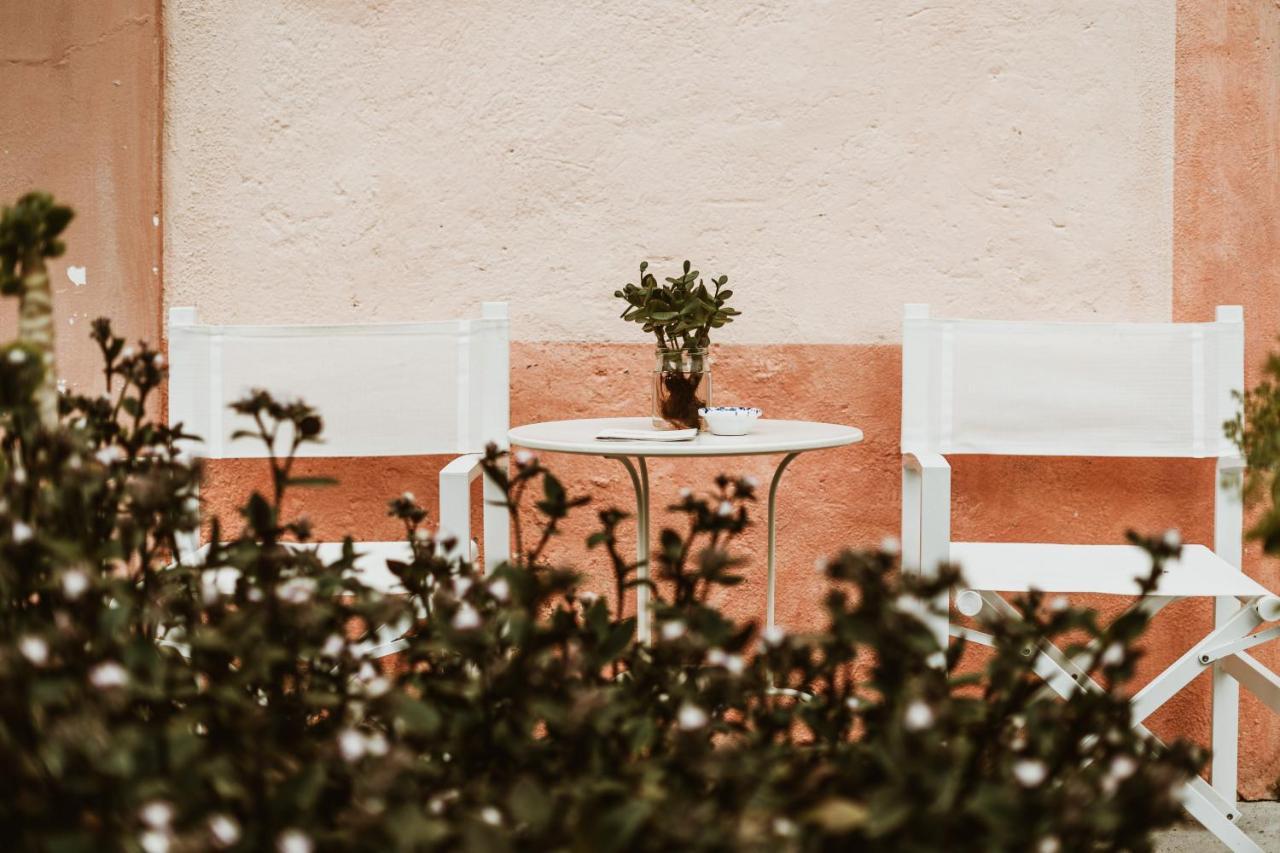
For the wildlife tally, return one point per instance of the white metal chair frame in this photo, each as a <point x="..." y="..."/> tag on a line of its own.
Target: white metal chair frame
<point x="955" y="394"/>
<point x="396" y="389"/>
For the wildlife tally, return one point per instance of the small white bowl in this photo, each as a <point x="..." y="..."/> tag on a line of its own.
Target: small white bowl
<point x="729" y="420"/>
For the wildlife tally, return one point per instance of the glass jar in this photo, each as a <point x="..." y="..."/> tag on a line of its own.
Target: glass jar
<point x="681" y="386"/>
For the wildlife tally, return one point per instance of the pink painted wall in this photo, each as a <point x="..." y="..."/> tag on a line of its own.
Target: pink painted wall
<point x="80" y="117"/>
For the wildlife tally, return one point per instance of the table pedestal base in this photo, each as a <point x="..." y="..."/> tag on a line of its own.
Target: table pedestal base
<point x="639" y="473"/>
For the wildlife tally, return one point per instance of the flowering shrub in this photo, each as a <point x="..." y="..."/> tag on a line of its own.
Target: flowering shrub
<point x="156" y="699"/>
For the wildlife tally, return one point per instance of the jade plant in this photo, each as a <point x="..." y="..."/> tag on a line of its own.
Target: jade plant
<point x="681" y="315"/>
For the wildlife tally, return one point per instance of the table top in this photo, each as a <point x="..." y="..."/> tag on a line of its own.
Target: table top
<point x="768" y="436"/>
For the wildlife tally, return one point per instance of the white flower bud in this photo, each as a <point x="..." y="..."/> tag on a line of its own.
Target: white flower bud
<point x="1030" y="772"/>
<point x="376" y="744"/>
<point x="296" y="590"/>
<point x="1122" y="767"/>
<point x="154" y="841"/>
<point x="1113" y="655"/>
<point x="467" y="618"/>
<point x="691" y="717"/>
<point x="891" y="546"/>
<point x="491" y="816"/>
<point x="917" y="717"/>
<point x="725" y="509"/>
<point x="500" y="589"/>
<point x="22" y="532"/>
<point x="333" y="646"/>
<point x="774" y="636"/>
<point x="224" y="830"/>
<point x="108" y="675"/>
<point x="109" y="454"/>
<point x="1173" y="538"/>
<point x="157" y="814"/>
<point x="673" y="630"/>
<point x="294" y="841"/>
<point x="74" y="584"/>
<point x="34" y="649"/>
<point x="351" y="745"/>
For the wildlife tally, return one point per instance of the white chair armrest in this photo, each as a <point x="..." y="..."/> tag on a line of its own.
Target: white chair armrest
<point x="455" y="499"/>
<point x="467" y="466"/>
<point x="925" y="462"/>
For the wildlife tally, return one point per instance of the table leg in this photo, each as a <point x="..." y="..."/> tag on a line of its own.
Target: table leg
<point x="640" y="482"/>
<point x="771" y="601"/>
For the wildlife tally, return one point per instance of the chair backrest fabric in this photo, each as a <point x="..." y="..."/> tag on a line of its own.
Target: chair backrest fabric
<point x="1070" y="389"/>
<point x="396" y="389"/>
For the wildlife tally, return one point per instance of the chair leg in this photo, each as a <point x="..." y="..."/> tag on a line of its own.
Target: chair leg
<point x="1226" y="714"/>
<point x="1216" y="814"/>
<point x="926" y="536"/>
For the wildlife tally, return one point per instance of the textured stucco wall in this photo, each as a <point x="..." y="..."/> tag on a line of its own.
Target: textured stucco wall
<point x="342" y="160"/>
<point x="80" y="117"/>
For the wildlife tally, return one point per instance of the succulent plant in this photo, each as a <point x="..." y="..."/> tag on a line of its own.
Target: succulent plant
<point x="680" y="313"/>
<point x="29" y="234"/>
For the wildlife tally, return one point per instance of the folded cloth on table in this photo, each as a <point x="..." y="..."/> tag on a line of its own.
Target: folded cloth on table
<point x="647" y="434"/>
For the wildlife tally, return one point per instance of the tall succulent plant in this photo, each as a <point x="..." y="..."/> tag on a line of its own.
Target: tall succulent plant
<point x="29" y="234"/>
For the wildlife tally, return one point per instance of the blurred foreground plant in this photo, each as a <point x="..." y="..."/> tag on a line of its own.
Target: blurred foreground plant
<point x="157" y="698"/>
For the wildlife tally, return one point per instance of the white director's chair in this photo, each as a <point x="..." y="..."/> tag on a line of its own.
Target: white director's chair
<point x="1103" y="390"/>
<point x="393" y="389"/>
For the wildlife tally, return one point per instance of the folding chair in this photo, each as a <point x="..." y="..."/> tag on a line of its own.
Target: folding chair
<point x="1092" y="389"/>
<point x="395" y="389"/>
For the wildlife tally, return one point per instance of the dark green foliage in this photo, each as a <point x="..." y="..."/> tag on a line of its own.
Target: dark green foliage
<point x="156" y="700"/>
<point x="680" y="313"/>
<point x="28" y="230"/>
<point x="1256" y="431"/>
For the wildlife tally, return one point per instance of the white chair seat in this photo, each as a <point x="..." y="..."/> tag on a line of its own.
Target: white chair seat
<point x="371" y="564"/>
<point x="1111" y="569"/>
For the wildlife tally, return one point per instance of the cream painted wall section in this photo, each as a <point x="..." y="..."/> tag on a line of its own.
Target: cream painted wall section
<point x="340" y="160"/>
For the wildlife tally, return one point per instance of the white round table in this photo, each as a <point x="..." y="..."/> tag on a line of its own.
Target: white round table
<point x="768" y="437"/>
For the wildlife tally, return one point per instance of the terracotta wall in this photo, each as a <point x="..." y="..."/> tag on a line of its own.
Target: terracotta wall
<point x="80" y="112"/>
<point x="1227" y="237"/>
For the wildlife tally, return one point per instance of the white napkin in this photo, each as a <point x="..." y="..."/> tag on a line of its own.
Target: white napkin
<point x="647" y="434"/>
